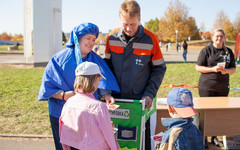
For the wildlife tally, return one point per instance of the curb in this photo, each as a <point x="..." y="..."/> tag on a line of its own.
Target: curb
<point x="12" y="52"/>
<point x="25" y="136"/>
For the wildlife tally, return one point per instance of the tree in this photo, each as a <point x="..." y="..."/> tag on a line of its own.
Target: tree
<point x="176" y="18"/>
<point x="5" y="36"/>
<point x="202" y="27"/>
<point x="64" y="37"/>
<point x="15" y="37"/>
<point x="100" y="38"/>
<point x="152" y="25"/>
<point x="237" y="22"/>
<point x="207" y="35"/>
<point x="222" y="22"/>
<point x="190" y="29"/>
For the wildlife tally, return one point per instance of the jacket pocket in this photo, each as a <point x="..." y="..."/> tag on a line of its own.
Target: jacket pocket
<point x="117" y="49"/>
<point x="141" y="52"/>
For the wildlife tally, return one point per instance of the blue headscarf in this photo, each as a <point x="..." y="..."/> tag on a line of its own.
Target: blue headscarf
<point x="77" y="33"/>
<point x="81" y="30"/>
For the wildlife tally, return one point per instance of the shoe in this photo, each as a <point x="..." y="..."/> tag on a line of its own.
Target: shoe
<point x="206" y="143"/>
<point x="206" y="146"/>
<point x="216" y="142"/>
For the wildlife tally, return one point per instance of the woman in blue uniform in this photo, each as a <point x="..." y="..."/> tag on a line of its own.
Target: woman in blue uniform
<point x="59" y="75"/>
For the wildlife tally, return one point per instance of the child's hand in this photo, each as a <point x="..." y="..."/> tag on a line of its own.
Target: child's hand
<point x="114" y="129"/>
<point x="112" y="106"/>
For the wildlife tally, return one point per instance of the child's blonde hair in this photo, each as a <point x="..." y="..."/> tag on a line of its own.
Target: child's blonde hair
<point x="86" y="83"/>
<point x="129" y="8"/>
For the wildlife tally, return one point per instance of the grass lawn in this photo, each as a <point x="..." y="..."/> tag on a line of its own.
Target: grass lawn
<point x="5" y="47"/>
<point x="22" y="113"/>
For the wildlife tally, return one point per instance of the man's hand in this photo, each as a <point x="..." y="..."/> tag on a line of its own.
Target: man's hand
<point x="148" y="101"/>
<point x="109" y="99"/>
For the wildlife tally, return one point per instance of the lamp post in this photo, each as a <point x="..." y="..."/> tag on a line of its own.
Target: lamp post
<point x="177" y="40"/>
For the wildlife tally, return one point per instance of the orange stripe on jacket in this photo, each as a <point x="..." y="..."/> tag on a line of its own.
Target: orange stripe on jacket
<point x="117" y="49"/>
<point x="156" y="51"/>
<point x="141" y="52"/>
<point x="107" y="49"/>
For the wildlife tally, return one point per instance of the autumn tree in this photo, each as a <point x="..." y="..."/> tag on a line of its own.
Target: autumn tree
<point x="222" y="22"/>
<point x="5" y="36"/>
<point x="9" y="37"/>
<point x="14" y="38"/>
<point x="176" y="18"/>
<point x="100" y="37"/>
<point x="17" y="37"/>
<point x="206" y="35"/>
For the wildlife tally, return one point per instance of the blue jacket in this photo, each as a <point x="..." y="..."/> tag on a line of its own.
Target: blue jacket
<point x="181" y="135"/>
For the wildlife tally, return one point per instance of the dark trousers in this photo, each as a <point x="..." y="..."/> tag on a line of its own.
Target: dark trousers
<point x="207" y="93"/>
<point x="55" y="130"/>
<point x="147" y="136"/>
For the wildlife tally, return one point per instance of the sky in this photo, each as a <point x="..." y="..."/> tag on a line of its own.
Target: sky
<point x="104" y="13"/>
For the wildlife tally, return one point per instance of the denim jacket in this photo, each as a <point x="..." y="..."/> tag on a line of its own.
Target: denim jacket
<point x="181" y="135"/>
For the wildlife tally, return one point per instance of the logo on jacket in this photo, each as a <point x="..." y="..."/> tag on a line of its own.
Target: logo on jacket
<point x="139" y="62"/>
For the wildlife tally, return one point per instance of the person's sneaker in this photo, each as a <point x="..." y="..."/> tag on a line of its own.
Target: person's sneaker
<point x="206" y="143"/>
<point x="216" y="142"/>
<point x="206" y="146"/>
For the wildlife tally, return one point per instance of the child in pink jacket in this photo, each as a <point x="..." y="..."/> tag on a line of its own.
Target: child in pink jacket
<point x="85" y="122"/>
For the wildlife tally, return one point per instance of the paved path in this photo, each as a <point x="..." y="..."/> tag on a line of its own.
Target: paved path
<point x="174" y="56"/>
<point x="17" y="143"/>
<point x="17" y="59"/>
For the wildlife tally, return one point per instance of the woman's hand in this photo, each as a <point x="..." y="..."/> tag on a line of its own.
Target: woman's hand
<point x="204" y="69"/>
<point x="222" y="70"/>
<point x="228" y="71"/>
<point x="109" y="99"/>
<point x="216" y="69"/>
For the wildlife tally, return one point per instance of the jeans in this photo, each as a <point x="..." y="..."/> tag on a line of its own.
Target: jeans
<point x="185" y="55"/>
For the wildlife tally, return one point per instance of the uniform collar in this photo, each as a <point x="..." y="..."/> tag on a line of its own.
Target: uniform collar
<point x="140" y="33"/>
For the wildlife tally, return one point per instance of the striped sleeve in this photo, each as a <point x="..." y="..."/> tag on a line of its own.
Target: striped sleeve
<point x="157" y="58"/>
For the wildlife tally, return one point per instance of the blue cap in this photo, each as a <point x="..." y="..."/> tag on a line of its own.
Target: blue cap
<point x="81" y="30"/>
<point x="181" y="99"/>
